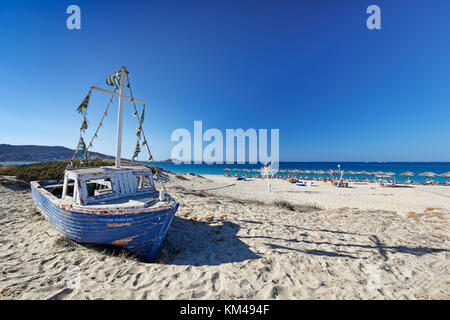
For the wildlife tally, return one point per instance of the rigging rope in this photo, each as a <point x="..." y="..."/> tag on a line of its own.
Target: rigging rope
<point x="140" y="131"/>
<point x="143" y="136"/>
<point x="101" y="122"/>
<point x="70" y="165"/>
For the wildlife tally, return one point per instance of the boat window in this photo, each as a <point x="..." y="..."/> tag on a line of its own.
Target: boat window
<point x="70" y="186"/>
<point x="143" y="182"/>
<point x="99" y="187"/>
<point x="55" y="189"/>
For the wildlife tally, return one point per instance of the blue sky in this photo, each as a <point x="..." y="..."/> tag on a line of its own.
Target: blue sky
<point x="336" y="90"/>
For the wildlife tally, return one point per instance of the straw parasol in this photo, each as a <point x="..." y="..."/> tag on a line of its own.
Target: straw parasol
<point x="427" y="174"/>
<point x="365" y="173"/>
<point x="350" y="173"/>
<point x="235" y="170"/>
<point x="445" y="175"/>
<point x="289" y="171"/>
<point x="407" y="174"/>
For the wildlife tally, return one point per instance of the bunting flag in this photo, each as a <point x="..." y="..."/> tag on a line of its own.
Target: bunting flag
<point x="136" y="150"/>
<point x="138" y="133"/>
<point x="114" y="80"/>
<point x="142" y="115"/>
<point x="81" y="147"/>
<point x="84" y="125"/>
<point x="84" y="105"/>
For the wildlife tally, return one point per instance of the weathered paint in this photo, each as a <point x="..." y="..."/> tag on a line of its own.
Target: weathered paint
<point x="141" y="229"/>
<point x="123" y="183"/>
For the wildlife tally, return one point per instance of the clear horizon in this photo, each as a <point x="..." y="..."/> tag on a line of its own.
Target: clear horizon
<point x="337" y="91"/>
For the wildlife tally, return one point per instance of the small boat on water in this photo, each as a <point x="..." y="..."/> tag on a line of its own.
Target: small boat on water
<point x="117" y="205"/>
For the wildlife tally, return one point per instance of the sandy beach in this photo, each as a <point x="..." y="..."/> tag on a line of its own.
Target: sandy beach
<point x="232" y="240"/>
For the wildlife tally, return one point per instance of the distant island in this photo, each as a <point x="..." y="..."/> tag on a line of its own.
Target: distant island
<point x="169" y="160"/>
<point x="12" y="153"/>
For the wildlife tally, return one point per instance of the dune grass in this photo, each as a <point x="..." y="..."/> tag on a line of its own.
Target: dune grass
<point x="282" y="204"/>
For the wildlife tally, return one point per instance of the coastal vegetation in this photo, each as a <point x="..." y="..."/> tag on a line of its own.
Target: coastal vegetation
<point x="54" y="170"/>
<point x="51" y="170"/>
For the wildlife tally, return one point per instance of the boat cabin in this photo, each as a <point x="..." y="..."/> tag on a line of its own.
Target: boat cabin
<point x="88" y="186"/>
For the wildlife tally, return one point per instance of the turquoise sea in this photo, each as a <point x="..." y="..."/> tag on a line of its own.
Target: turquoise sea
<point x="396" y="167"/>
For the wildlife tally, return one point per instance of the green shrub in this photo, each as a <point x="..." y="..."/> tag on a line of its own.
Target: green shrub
<point x="52" y="170"/>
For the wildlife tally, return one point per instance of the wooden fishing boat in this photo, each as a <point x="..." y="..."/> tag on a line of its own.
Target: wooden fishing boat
<point x="117" y="205"/>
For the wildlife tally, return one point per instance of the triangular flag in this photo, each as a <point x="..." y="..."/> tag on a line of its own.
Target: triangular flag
<point x="84" y="105"/>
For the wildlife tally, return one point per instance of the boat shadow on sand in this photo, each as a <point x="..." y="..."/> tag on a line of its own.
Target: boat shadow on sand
<point x="195" y="243"/>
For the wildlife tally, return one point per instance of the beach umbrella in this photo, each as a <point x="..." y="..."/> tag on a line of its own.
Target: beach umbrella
<point x="364" y="173"/>
<point x="445" y="175"/>
<point x="378" y="173"/>
<point x="407" y="174"/>
<point x="349" y="172"/>
<point x="307" y="173"/>
<point x="390" y="174"/>
<point x="235" y="170"/>
<point x="289" y="171"/>
<point x="427" y="175"/>
<point x="320" y="172"/>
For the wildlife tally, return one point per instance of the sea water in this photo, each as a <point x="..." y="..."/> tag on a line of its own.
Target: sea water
<point x="396" y="167"/>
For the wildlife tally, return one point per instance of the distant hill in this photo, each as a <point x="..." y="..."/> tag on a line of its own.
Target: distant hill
<point x="40" y="153"/>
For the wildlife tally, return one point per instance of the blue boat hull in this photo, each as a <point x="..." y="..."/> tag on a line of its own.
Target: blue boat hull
<point x="139" y="232"/>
